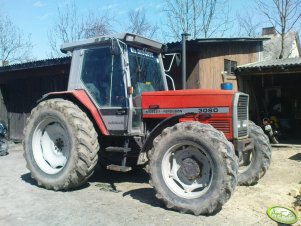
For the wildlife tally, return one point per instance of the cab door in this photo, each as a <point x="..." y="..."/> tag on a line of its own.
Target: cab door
<point x="104" y="79"/>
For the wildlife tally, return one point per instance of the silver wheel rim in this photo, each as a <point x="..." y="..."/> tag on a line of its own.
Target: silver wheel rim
<point x="187" y="170"/>
<point x="50" y="146"/>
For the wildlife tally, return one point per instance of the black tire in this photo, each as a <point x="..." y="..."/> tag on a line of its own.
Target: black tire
<point x="3" y="147"/>
<point x="259" y="160"/>
<point x="70" y="136"/>
<point x="212" y="146"/>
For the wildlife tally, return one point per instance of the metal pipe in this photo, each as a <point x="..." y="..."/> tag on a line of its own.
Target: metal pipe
<point x="184" y="37"/>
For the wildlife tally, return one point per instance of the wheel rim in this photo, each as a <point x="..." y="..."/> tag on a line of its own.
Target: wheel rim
<point x="50" y="146"/>
<point x="187" y="170"/>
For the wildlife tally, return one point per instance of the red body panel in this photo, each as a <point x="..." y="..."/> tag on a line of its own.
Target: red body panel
<point x="216" y="105"/>
<point x="83" y="98"/>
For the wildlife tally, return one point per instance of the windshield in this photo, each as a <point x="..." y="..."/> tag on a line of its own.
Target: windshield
<point x="145" y="70"/>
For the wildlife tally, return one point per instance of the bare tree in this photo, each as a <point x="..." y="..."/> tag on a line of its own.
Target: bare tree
<point x="200" y="18"/>
<point x="248" y="26"/>
<point x="71" y="26"/>
<point x="93" y="25"/>
<point x="14" y="45"/>
<point x="138" y="24"/>
<point x="283" y="15"/>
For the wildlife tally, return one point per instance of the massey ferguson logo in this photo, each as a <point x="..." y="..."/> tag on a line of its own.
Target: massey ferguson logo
<point x="178" y="111"/>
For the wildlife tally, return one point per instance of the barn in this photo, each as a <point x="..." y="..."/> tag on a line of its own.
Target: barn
<point x="22" y="85"/>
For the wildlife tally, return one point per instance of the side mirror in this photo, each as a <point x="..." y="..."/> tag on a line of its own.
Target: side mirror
<point x="175" y="56"/>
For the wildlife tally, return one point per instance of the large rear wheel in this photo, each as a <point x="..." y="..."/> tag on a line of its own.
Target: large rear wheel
<point x="193" y="168"/>
<point x="60" y="145"/>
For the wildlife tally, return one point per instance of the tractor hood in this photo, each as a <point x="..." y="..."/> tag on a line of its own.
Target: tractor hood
<point x="163" y="104"/>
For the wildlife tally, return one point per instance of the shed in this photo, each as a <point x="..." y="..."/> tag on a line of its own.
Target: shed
<point x="274" y="88"/>
<point x="212" y="61"/>
<point x="22" y="85"/>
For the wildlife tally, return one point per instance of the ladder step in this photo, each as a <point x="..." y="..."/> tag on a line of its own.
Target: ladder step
<point x="118" y="149"/>
<point x="119" y="168"/>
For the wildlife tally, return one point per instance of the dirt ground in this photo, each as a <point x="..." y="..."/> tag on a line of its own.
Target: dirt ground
<point x="22" y="202"/>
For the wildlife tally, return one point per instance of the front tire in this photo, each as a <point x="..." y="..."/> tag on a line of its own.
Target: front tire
<point x="255" y="164"/>
<point x="193" y="168"/>
<point x="60" y="145"/>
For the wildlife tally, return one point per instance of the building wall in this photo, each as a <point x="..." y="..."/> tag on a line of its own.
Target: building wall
<point x="3" y="109"/>
<point x="205" y="63"/>
<point x="193" y="71"/>
<point x="22" y="97"/>
<point x="19" y="93"/>
<point x="272" y="46"/>
<point x="211" y="62"/>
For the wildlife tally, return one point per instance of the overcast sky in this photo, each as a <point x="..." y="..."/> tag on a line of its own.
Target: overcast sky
<point x="36" y="17"/>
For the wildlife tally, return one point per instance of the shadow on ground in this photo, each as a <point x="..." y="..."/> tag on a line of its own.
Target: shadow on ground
<point x="28" y="179"/>
<point x="104" y="177"/>
<point x="143" y="195"/>
<point x="296" y="157"/>
<point x="135" y="176"/>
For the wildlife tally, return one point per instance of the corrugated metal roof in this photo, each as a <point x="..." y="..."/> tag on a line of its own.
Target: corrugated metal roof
<point x="272" y="63"/>
<point x="195" y="44"/>
<point x="35" y="64"/>
<point x="214" y="40"/>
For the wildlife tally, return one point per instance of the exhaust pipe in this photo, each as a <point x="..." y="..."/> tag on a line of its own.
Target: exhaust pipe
<point x="184" y="38"/>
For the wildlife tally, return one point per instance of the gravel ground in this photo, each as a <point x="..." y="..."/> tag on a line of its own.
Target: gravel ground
<point x="126" y="199"/>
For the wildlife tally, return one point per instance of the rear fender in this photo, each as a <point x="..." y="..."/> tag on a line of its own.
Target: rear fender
<point x="80" y="98"/>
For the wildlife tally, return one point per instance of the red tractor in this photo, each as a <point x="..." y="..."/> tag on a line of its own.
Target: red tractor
<point x="198" y="144"/>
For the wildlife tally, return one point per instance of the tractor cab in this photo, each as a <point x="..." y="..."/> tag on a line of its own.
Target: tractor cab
<point x="115" y="70"/>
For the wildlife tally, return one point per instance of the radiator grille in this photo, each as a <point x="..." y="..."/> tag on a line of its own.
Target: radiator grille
<point x="223" y="126"/>
<point x="242" y="107"/>
<point x="242" y="114"/>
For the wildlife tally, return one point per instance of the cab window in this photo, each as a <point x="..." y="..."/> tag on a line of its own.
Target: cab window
<point x="103" y="77"/>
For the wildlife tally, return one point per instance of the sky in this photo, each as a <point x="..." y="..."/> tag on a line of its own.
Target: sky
<point x="36" y="17"/>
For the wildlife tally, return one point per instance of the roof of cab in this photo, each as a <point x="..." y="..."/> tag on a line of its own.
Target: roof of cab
<point x="133" y="39"/>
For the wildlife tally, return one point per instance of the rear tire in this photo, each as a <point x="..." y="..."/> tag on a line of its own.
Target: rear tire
<point x="60" y="145"/>
<point x="193" y="168"/>
<point x="258" y="162"/>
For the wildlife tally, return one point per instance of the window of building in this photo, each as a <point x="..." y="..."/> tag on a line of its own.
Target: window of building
<point x="230" y="66"/>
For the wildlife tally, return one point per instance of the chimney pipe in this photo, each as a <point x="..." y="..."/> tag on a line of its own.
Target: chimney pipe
<point x="184" y="38"/>
<point x="268" y="31"/>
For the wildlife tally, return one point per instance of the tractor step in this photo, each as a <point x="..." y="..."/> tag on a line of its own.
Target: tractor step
<point x="119" y="168"/>
<point x="118" y="149"/>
